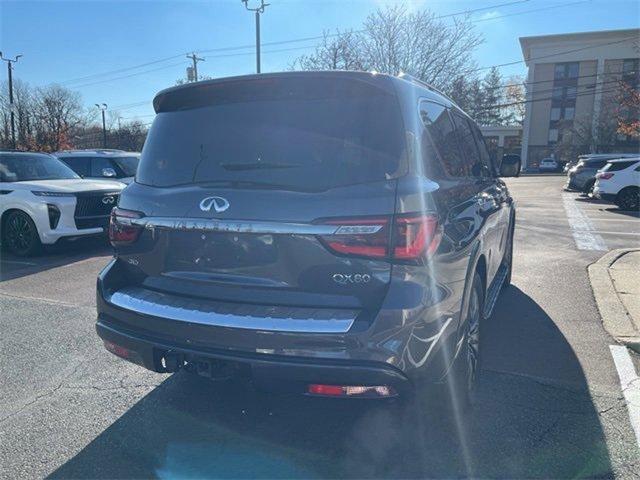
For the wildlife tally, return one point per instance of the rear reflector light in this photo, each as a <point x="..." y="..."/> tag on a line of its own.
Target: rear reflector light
<point x="604" y="175"/>
<point x="121" y="230"/>
<point x="411" y="238"/>
<point x="118" y="350"/>
<point x="351" y="390"/>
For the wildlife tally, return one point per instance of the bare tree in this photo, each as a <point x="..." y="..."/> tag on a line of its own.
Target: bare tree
<point x="514" y="93"/>
<point x="394" y="40"/>
<point x="57" y="111"/>
<point x="338" y="51"/>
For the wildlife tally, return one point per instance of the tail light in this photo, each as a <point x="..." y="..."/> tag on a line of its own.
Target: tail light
<point x="407" y="238"/>
<point x="604" y="175"/>
<point x="121" y="230"/>
<point x="351" y="390"/>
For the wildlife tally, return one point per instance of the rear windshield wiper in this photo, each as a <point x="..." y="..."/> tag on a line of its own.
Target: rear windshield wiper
<point x="257" y="165"/>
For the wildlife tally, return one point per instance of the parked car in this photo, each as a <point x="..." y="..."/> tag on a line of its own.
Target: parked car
<point x="582" y="177"/>
<point x="339" y="234"/>
<point x="548" y="165"/>
<point x="619" y="182"/>
<point x="42" y="200"/>
<point x="113" y="164"/>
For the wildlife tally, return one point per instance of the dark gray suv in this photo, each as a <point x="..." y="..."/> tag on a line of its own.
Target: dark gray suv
<point x="329" y="233"/>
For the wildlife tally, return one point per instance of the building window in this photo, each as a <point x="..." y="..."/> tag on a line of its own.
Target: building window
<point x="566" y="70"/>
<point x="555" y="113"/>
<point x="573" y="69"/>
<point x="553" y="135"/>
<point x="557" y="93"/>
<point x="569" y="112"/>
<point x="631" y="71"/>
<point x="571" y="92"/>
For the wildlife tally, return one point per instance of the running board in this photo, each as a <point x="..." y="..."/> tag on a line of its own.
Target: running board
<point x="494" y="291"/>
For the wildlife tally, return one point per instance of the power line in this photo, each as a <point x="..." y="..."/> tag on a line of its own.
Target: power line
<point x="553" y="54"/>
<point x="181" y="63"/>
<point x="530" y="11"/>
<point x="280" y="42"/>
<point x="128" y="76"/>
<point x="479" y="69"/>
<point x="525" y="84"/>
<point x="511" y="104"/>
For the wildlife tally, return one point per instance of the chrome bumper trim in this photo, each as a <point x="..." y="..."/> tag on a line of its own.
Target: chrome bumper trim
<point x="235" y="226"/>
<point x="223" y="314"/>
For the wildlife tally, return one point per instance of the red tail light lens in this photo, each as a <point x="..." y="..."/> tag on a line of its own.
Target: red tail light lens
<point x="413" y="237"/>
<point x="604" y="175"/>
<point x="121" y="230"/>
<point x="359" y="236"/>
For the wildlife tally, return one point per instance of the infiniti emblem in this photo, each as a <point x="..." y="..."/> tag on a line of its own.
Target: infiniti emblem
<point x="107" y="200"/>
<point x="219" y="204"/>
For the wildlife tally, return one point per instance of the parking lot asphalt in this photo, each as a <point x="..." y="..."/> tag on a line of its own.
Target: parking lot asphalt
<point x="550" y="405"/>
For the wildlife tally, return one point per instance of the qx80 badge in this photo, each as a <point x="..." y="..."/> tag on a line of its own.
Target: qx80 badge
<point x="348" y="278"/>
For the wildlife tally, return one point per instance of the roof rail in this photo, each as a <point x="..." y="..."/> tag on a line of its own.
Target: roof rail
<point x="411" y="78"/>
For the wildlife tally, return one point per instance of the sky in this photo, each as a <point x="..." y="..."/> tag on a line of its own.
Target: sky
<point x="76" y="43"/>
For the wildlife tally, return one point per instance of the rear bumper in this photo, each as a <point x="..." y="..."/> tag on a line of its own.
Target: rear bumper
<point x="270" y="372"/>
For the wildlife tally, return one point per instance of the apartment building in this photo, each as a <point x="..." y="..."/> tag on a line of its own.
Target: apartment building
<point x="574" y="84"/>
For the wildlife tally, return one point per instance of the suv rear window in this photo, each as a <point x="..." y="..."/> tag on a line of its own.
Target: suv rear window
<point x="319" y="134"/>
<point x="617" y="166"/>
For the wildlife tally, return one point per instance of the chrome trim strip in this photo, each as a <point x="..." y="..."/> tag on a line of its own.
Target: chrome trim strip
<point x="234" y="226"/>
<point x="222" y="314"/>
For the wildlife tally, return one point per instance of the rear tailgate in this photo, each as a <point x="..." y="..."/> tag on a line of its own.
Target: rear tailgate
<point x="241" y="196"/>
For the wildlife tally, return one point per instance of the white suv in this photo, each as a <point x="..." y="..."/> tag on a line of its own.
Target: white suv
<point x="43" y="200"/>
<point x="619" y="182"/>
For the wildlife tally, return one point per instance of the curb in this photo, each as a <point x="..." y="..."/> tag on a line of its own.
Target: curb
<point x="615" y="318"/>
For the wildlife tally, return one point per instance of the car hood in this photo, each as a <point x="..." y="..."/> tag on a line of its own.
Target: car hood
<point x="73" y="185"/>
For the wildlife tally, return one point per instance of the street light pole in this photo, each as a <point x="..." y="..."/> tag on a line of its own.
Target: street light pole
<point x="103" y="108"/>
<point x="11" y="105"/>
<point x="258" y="11"/>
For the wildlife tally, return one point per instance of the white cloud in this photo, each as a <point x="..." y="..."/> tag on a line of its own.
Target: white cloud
<point x="489" y="15"/>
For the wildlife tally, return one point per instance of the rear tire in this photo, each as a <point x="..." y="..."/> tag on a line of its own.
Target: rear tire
<point x="588" y="187"/>
<point x="629" y="199"/>
<point x="20" y="235"/>
<point x="471" y="360"/>
<point x="507" y="259"/>
<point x="457" y="395"/>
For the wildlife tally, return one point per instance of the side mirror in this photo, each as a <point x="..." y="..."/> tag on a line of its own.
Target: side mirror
<point x="510" y="166"/>
<point x="108" y="172"/>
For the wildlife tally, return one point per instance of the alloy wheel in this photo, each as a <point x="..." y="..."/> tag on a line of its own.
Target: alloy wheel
<point x="473" y="341"/>
<point x="630" y="200"/>
<point x="19" y="234"/>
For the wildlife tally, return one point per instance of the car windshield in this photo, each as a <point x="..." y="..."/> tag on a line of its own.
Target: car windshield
<point x="300" y="135"/>
<point x="128" y="164"/>
<point x="23" y="167"/>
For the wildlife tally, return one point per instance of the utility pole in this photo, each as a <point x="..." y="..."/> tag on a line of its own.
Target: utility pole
<point x="103" y="108"/>
<point x="11" y="105"/>
<point x="195" y="59"/>
<point x="258" y="11"/>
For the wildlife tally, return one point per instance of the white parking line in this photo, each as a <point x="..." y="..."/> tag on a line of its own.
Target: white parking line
<point x="630" y="383"/>
<point x="582" y="228"/>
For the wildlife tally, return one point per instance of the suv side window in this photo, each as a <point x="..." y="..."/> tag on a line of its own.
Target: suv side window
<point x="439" y="142"/>
<point x="97" y="164"/>
<point x="489" y="163"/>
<point x="475" y="166"/>
<point x="80" y="165"/>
